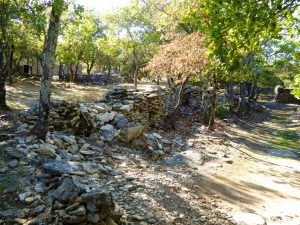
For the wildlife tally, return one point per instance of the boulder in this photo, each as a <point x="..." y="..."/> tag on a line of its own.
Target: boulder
<point x="128" y="134"/>
<point x="66" y="192"/>
<point x="57" y="168"/>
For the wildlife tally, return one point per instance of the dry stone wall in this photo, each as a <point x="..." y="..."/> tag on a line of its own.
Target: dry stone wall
<point x="283" y="95"/>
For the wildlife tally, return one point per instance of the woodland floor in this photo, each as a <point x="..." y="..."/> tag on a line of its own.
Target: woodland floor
<point x="246" y="166"/>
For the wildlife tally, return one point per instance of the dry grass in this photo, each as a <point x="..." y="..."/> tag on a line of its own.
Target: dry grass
<point x="23" y="96"/>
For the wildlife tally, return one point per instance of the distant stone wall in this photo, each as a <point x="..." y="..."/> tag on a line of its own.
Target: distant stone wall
<point x="120" y="109"/>
<point x="283" y="95"/>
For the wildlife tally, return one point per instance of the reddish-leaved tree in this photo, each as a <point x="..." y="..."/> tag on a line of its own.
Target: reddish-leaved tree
<point x="180" y="59"/>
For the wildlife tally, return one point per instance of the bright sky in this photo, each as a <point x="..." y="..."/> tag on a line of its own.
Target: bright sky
<point x="103" y="6"/>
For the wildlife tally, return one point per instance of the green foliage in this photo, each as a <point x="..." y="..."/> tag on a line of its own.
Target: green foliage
<point x="222" y="110"/>
<point x="269" y="79"/>
<point x="296" y="87"/>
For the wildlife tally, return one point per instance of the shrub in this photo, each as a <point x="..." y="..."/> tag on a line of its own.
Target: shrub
<point x="222" y="111"/>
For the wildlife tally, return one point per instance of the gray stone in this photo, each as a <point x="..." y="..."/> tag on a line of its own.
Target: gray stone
<point x="100" y="202"/>
<point x="72" y="207"/>
<point x="69" y="219"/>
<point x="40" y="187"/>
<point x="120" y="121"/>
<point x="30" y="138"/>
<point x="24" y="195"/>
<point x="106" y="117"/>
<point x="57" y="168"/>
<point x="108" y="132"/>
<point x="44" y="149"/>
<point x="126" y="108"/>
<point x="83" y="109"/>
<point x="130" y="133"/>
<point x="79" y="211"/>
<point x="39" y="209"/>
<point x="93" y="218"/>
<point x="12" y="213"/>
<point x="13" y="163"/>
<point x="65" y="192"/>
<point x="70" y="140"/>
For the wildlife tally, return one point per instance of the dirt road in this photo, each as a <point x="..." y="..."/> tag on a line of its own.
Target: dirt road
<point x="262" y="174"/>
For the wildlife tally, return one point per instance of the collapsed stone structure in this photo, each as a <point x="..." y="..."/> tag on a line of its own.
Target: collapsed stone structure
<point x="283" y="95"/>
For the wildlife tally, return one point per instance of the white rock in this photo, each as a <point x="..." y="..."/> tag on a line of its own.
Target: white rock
<point x="24" y="195"/>
<point x="106" y="117"/>
<point x="83" y="109"/>
<point x="248" y="219"/>
<point x="126" y="108"/>
<point x="69" y="139"/>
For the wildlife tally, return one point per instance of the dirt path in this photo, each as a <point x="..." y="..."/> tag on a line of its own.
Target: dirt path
<point x="260" y="177"/>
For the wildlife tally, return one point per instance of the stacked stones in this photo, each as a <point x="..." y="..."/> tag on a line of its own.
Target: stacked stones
<point x="63" y="115"/>
<point x="156" y="108"/>
<point x="283" y="95"/>
<point x="146" y="108"/>
<point x="61" y="165"/>
<point x="193" y="97"/>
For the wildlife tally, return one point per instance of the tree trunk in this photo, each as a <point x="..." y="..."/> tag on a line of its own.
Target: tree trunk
<point x="76" y="72"/>
<point x="3" y="48"/>
<point x="31" y="68"/>
<point x="37" y="66"/>
<point x="9" y="65"/>
<point x="211" y="125"/>
<point x="72" y="74"/>
<point x="2" y="83"/>
<point x="230" y="95"/>
<point x="254" y="91"/>
<point x="61" y="72"/>
<point x="205" y="104"/>
<point x="171" y="119"/>
<point x="136" y="69"/>
<point x="42" y="126"/>
<point x="88" y="71"/>
<point x="242" y="108"/>
<point x="180" y="95"/>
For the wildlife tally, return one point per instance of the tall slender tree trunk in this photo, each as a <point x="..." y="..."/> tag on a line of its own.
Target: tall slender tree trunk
<point x="2" y="83"/>
<point x="180" y="94"/>
<point x="72" y="74"/>
<point x="242" y="108"/>
<point x="61" y="72"/>
<point x="76" y="71"/>
<point x="42" y="126"/>
<point x="205" y="107"/>
<point x="37" y="66"/>
<point x="254" y="88"/>
<point x="230" y="95"/>
<point x="171" y="119"/>
<point x="3" y="49"/>
<point x="211" y="125"/>
<point x="9" y="65"/>
<point x="136" y="69"/>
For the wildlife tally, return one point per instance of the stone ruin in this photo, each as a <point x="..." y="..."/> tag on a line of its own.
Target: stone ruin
<point x="283" y="95"/>
<point x="78" y="144"/>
